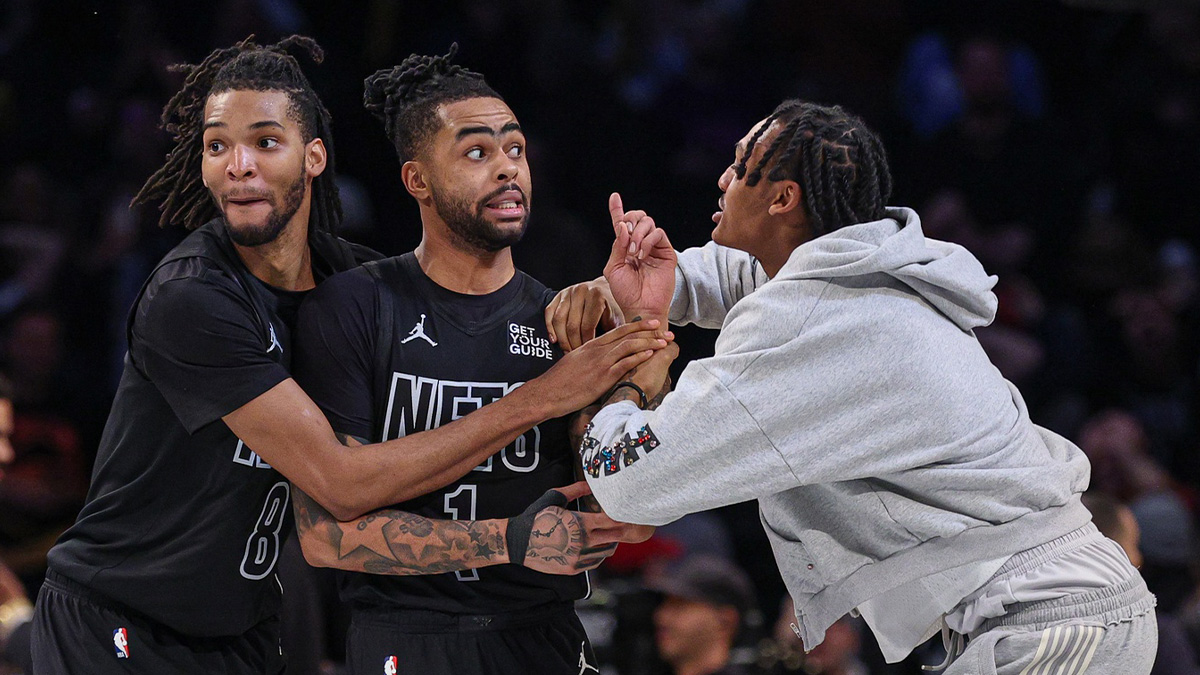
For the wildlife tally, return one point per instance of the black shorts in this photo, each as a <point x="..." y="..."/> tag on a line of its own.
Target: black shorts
<point x="75" y="631"/>
<point x="544" y="640"/>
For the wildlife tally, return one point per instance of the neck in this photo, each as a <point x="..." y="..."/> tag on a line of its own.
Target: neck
<point x="458" y="268"/>
<point x="778" y="246"/>
<point x="285" y="263"/>
<point x="704" y="661"/>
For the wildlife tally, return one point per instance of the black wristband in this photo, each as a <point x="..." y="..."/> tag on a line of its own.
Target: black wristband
<point x="640" y="392"/>
<point x="516" y="537"/>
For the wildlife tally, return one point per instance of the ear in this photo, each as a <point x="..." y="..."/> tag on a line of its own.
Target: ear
<point x="788" y="198"/>
<point x="315" y="158"/>
<point x="412" y="174"/>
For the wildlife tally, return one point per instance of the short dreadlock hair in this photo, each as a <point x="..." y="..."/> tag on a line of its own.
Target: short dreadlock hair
<point x="406" y="97"/>
<point x="178" y="185"/>
<point x="839" y="163"/>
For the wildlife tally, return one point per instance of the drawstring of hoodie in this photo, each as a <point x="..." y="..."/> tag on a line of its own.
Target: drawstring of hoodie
<point x="954" y="643"/>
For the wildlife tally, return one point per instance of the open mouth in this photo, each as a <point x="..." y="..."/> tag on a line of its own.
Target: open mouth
<point x="507" y="204"/>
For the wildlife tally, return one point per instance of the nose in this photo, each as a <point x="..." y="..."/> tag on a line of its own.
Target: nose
<point x="507" y="170"/>
<point x="726" y="178"/>
<point x="241" y="163"/>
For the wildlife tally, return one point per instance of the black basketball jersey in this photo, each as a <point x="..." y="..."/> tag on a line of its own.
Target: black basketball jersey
<point x="446" y="355"/>
<point x="183" y="523"/>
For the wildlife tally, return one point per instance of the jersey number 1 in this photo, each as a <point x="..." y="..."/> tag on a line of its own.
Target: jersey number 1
<point x="463" y="498"/>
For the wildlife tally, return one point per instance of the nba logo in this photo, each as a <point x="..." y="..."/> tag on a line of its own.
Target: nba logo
<point x="390" y="666"/>
<point x="121" y="642"/>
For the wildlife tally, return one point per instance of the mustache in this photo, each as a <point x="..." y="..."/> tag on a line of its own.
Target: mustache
<point x="511" y="187"/>
<point x="247" y="194"/>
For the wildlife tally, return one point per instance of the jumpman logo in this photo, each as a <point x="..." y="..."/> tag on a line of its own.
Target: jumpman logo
<point x="418" y="331"/>
<point x="584" y="666"/>
<point x="274" y="342"/>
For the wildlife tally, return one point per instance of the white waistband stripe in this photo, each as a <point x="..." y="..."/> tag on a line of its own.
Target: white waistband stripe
<point x="1065" y="650"/>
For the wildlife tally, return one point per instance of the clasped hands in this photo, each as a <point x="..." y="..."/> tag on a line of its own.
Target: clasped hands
<point x="637" y="286"/>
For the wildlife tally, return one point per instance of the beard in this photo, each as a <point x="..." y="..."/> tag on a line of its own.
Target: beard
<point x="471" y="229"/>
<point x="277" y="221"/>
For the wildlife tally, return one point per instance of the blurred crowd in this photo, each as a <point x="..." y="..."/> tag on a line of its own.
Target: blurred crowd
<point x="1058" y="141"/>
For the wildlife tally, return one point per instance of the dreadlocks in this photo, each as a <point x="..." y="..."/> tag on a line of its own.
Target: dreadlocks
<point x="838" y="162"/>
<point x="178" y="184"/>
<point x="406" y="97"/>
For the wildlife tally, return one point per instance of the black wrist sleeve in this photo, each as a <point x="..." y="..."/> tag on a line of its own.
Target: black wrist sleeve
<point x="520" y="527"/>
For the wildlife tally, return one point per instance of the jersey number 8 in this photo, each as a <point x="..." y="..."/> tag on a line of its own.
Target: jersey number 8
<point x="262" y="548"/>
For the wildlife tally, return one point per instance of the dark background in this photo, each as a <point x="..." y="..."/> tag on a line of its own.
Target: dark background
<point x="1058" y="141"/>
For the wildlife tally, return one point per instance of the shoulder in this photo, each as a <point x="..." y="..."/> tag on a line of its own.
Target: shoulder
<point x="341" y="254"/>
<point x="189" y="293"/>
<point x="351" y="288"/>
<point x="776" y="312"/>
<point x="204" y="256"/>
<point x="535" y="291"/>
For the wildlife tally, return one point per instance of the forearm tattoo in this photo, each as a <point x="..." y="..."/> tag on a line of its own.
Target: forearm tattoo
<point x="624" y="394"/>
<point x="662" y="393"/>
<point x="395" y="542"/>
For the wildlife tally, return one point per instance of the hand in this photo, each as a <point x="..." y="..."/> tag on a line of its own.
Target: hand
<point x="574" y="314"/>
<point x="641" y="267"/>
<point x="11" y="589"/>
<point x="584" y="374"/>
<point x="570" y="542"/>
<point x="652" y="375"/>
<point x="625" y="533"/>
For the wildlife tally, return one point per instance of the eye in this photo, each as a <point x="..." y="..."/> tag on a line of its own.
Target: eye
<point x="475" y="153"/>
<point x="215" y="146"/>
<point x="267" y="142"/>
<point x="516" y="151"/>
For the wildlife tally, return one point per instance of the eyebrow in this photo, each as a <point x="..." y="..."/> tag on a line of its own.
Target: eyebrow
<point x="467" y="131"/>
<point x="256" y="125"/>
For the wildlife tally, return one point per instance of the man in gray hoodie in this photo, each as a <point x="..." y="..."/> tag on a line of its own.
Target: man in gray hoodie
<point x="898" y="474"/>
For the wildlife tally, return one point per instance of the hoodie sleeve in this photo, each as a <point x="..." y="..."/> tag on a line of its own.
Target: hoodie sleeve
<point x="709" y="280"/>
<point x="654" y="466"/>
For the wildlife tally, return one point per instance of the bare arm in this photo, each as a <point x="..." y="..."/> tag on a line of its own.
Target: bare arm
<point x="289" y="431"/>
<point x="394" y="542"/>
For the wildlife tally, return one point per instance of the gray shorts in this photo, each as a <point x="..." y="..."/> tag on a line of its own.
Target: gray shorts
<point x="1110" y="630"/>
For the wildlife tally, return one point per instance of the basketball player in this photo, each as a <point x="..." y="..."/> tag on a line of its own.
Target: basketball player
<point x="898" y="474"/>
<point x="170" y="566"/>
<point x="399" y="347"/>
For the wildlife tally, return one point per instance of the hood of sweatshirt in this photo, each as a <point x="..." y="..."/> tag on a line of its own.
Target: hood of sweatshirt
<point x="947" y="275"/>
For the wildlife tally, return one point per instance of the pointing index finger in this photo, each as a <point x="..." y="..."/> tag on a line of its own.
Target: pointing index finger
<point x="616" y="208"/>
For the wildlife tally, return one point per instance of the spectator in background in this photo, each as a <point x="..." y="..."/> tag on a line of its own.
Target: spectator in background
<point x="15" y="607"/>
<point x="1016" y="171"/>
<point x="1116" y="444"/>
<point x="1117" y="522"/>
<point x="47" y="478"/>
<point x="33" y="237"/>
<point x="706" y="603"/>
<point x="837" y="655"/>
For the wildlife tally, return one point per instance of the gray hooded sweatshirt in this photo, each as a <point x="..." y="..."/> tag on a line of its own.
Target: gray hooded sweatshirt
<point x="849" y="396"/>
